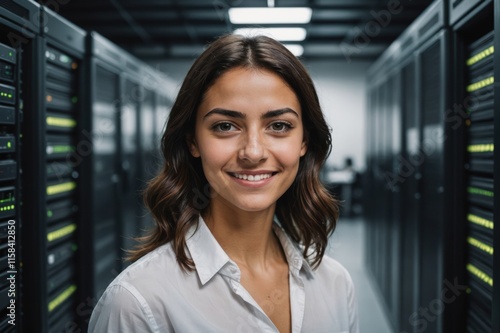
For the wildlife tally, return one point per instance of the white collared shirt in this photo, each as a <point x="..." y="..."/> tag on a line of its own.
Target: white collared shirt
<point x="155" y="295"/>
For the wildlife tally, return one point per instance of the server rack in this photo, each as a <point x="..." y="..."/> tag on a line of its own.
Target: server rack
<point x="101" y="193"/>
<point x="408" y="245"/>
<point x="50" y="201"/>
<point x="63" y="143"/>
<point x="448" y="139"/>
<point x="123" y="105"/>
<point x="480" y="187"/>
<point x="130" y="156"/>
<point x="474" y="37"/>
<point x="433" y="184"/>
<point x="148" y="164"/>
<point x="137" y="124"/>
<point x="18" y="47"/>
<point x="460" y="8"/>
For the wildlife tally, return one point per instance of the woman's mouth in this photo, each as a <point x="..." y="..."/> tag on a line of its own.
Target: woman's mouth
<point x="252" y="177"/>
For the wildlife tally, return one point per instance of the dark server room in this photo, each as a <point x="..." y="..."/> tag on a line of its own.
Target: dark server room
<point x="406" y="88"/>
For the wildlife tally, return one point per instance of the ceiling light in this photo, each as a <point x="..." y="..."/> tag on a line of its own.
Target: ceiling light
<point x="266" y="15"/>
<point x="296" y="49"/>
<point x="282" y="34"/>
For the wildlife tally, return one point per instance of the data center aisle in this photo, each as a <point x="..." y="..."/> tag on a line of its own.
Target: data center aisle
<point x="347" y="246"/>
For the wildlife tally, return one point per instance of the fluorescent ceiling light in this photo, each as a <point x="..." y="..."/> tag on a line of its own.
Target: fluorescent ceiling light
<point x="282" y="34"/>
<point x="266" y="15"/>
<point x="296" y="49"/>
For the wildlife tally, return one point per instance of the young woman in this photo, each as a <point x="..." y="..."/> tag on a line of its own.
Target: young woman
<point x="242" y="218"/>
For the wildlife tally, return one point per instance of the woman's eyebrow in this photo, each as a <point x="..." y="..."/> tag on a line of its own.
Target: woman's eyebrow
<point x="278" y="112"/>
<point x="224" y="112"/>
<point x="241" y="115"/>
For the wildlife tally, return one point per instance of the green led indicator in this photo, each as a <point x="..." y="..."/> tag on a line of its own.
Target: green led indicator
<point x="9" y="144"/>
<point x="5" y="200"/>
<point x="10" y="95"/>
<point x="62" y="149"/>
<point x="49" y="213"/>
<point x="64" y="59"/>
<point x="74" y="99"/>
<point x="12" y="207"/>
<point x="479" y="191"/>
<point x="10" y="54"/>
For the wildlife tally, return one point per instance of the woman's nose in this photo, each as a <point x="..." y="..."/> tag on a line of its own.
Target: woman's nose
<point x="253" y="148"/>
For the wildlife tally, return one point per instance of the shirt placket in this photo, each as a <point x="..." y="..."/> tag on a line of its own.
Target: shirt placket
<point x="297" y="300"/>
<point x="260" y="321"/>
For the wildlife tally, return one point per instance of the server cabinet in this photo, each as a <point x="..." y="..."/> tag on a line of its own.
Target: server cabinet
<point x="410" y="196"/>
<point x="102" y="197"/>
<point x="496" y="161"/>
<point x="148" y="165"/>
<point x="432" y="204"/>
<point x="19" y="46"/>
<point x="413" y="156"/>
<point x="460" y="8"/>
<point x="164" y="104"/>
<point x="140" y="111"/>
<point x="480" y="184"/>
<point x="130" y="158"/>
<point x="384" y="212"/>
<point x="50" y="200"/>
<point x="475" y="64"/>
<point x="448" y="200"/>
<point x="395" y="229"/>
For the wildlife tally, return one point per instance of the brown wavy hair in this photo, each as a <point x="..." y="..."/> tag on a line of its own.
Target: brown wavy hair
<point x="180" y="192"/>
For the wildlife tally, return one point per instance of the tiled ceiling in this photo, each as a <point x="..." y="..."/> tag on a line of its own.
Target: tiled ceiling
<point x="153" y="29"/>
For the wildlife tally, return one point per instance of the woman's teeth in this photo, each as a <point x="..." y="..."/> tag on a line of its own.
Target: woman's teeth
<point x="253" y="178"/>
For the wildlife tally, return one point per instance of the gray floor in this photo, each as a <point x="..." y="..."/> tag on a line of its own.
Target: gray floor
<point x="347" y="247"/>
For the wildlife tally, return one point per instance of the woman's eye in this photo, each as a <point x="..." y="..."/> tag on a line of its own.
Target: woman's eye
<point x="223" y="127"/>
<point x="280" y="127"/>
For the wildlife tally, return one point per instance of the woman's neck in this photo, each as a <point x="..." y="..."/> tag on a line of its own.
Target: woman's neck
<point x="247" y="237"/>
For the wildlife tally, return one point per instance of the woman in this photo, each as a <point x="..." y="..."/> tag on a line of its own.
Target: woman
<point x="242" y="218"/>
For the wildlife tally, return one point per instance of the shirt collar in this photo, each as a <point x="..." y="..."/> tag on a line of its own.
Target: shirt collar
<point x="293" y="253"/>
<point x="207" y="254"/>
<point x="209" y="257"/>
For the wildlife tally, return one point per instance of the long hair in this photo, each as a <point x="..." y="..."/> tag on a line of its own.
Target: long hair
<point x="180" y="192"/>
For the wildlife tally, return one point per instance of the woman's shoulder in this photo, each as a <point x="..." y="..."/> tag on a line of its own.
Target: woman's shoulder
<point x="334" y="271"/>
<point x="151" y="267"/>
<point x="137" y="291"/>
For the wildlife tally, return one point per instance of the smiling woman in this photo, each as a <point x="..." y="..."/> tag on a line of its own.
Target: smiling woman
<point x="250" y="157"/>
<point x="246" y="124"/>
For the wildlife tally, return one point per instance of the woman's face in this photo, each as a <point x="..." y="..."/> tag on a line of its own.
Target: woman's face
<point x="249" y="136"/>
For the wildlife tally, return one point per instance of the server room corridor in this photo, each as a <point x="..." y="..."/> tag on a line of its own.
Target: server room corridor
<point x="347" y="246"/>
<point x="407" y="90"/>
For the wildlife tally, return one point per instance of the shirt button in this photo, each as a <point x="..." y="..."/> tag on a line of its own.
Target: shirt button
<point x="233" y="270"/>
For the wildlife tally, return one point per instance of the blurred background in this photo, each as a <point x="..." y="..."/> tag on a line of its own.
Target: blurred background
<point x="407" y="88"/>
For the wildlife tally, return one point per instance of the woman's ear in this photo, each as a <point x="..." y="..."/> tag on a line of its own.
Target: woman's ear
<point x="193" y="147"/>
<point x="303" y="149"/>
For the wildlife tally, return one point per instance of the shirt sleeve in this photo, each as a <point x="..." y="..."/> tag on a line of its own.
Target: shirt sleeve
<point x="352" y="306"/>
<point x="122" y="309"/>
